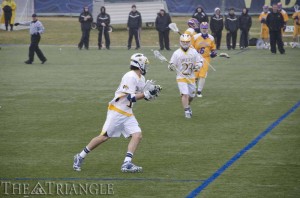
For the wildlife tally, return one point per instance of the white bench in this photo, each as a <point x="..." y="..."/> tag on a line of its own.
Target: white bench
<point x="119" y="11"/>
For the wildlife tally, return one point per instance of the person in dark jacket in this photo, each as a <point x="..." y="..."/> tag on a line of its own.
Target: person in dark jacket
<point x="232" y="26"/>
<point x="245" y="23"/>
<point x="103" y="21"/>
<point x="200" y="15"/>
<point x="162" y="22"/>
<point x="275" y="23"/>
<point x="86" y="20"/>
<point x="216" y="26"/>
<point x="134" y="25"/>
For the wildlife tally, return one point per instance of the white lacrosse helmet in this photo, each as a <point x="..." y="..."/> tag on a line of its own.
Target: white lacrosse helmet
<point x="140" y="61"/>
<point x="185" y="41"/>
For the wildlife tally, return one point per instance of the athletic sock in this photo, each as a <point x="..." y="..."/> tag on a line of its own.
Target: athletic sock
<point x="128" y="157"/>
<point x="84" y="152"/>
<point x="201" y="83"/>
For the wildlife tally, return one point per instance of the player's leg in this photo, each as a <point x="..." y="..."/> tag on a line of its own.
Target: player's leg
<point x="110" y="129"/>
<point x="131" y="129"/>
<point x="202" y="76"/>
<point x="184" y="91"/>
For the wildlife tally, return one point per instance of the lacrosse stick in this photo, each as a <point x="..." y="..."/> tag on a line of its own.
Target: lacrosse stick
<point x="160" y="57"/>
<point x="209" y="65"/>
<point x="174" y="28"/>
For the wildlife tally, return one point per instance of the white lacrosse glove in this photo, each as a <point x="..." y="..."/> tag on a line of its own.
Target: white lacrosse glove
<point x="197" y="66"/>
<point x="152" y="94"/>
<point x="171" y="67"/>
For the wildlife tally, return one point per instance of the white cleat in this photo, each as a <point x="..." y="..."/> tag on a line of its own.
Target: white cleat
<point x="199" y="94"/>
<point x="77" y="162"/>
<point x="188" y="114"/>
<point x="128" y="167"/>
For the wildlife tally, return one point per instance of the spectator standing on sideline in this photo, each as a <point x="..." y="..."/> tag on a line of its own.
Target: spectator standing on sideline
<point x="264" y="28"/>
<point x="216" y="26"/>
<point x="36" y="29"/>
<point x="245" y="23"/>
<point x="134" y="26"/>
<point x="296" y="18"/>
<point x="86" y="20"/>
<point x="162" y="22"/>
<point x="103" y="21"/>
<point x="9" y="12"/>
<point x="275" y="22"/>
<point x="200" y="15"/>
<point x="232" y="26"/>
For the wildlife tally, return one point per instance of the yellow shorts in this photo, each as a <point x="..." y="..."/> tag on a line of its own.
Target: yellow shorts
<point x="202" y="73"/>
<point x="296" y="31"/>
<point x="264" y="33"/>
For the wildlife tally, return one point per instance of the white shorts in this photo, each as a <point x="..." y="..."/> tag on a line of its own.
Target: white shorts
<point x="117" y="124"/>
<point x="187" y="89"/>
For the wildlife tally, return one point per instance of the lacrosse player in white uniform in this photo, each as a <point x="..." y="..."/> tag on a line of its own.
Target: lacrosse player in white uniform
<point x="185" y="61"/>
<point x="120" y="118"/>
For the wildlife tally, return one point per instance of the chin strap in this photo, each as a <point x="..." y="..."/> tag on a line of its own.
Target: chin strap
<point x="205" y="36"/>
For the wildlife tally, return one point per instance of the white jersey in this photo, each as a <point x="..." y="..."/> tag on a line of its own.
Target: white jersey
<point x="185" y="63"/>
<point x="131" y="84"/>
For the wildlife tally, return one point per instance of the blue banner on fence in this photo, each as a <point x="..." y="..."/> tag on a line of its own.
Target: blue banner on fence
<point x="61" y="6"/>
<point x="185" y="7"/>
<point x="189" y="6"/>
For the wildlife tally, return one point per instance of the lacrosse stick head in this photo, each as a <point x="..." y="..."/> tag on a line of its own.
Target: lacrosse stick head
<point x="173" y="27"/>
<point x="139" y="61"/>
<point x="225" y="55"/>
<point x="159" y="56"/>
<point x="193" y="23"/>
<point x="185" y="41"/>
<point x="260" y="44"/>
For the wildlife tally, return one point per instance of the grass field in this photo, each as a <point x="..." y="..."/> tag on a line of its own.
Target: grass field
<point x="50" y="112"/>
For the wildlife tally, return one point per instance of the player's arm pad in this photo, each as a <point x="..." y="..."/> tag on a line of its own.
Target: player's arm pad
<point x="131" y="97"/>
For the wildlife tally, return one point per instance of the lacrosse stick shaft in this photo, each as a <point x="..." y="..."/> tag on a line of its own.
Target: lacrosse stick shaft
<point x="209" y="65"/>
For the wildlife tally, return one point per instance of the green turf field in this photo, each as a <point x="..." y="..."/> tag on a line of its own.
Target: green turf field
<point x="50" y="112"/>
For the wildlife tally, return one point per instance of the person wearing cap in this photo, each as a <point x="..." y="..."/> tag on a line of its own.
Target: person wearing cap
<point x="264" y="28"/>
<point x="245" y="23"/>
<point x="103" y="21"/>
<point x="9" y="13"/>
<point x="162" y="22"/>
<point x="134" y="25"/>
<point x="275" y="22"/>
<point x="86" y="20"/>
<point x="216" y="26"/>
<point x="232" y="26"/>
<point x="36" y="29"/>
